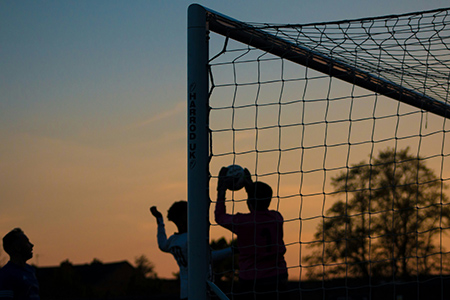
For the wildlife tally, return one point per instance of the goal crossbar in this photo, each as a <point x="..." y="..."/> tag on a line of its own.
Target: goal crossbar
<point x="296" y="53"/>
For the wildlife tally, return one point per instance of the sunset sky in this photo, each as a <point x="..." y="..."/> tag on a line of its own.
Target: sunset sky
<point x="93" y="117"/>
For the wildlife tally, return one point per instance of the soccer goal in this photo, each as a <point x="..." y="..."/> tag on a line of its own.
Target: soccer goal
<point x="348" y="123"/>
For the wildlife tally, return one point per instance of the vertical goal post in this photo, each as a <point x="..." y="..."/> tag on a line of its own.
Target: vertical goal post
<point x="198" y="170"/>
<point x="379" y="58"/>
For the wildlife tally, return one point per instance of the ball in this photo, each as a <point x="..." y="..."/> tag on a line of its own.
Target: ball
<point x="237" y="174"/>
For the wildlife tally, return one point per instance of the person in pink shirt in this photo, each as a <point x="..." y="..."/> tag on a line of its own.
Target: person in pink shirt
<point x="262" y="267"/>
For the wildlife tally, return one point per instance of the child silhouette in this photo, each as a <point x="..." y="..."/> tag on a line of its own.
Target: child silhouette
<point x="262" y="267"/>
<point x="177" y="244"/>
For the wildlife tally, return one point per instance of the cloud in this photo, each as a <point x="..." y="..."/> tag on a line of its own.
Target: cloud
<point x="179" y="108"/>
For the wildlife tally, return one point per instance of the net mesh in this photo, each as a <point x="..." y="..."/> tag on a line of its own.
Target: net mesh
<point x="360" y="178"/>
<point x="409" y="50"/>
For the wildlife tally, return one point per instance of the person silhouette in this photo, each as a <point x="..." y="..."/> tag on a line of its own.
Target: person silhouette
<point x="177" y="244"/>
<point x="262" y="267"/>
<point x="17" y="278"/>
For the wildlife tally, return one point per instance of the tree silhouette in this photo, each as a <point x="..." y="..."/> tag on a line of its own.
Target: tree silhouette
<point x="226" y="269"/>
<point x="145" y="267"/>
<point x="144" y="278"/>
<point x="393" y="210"/>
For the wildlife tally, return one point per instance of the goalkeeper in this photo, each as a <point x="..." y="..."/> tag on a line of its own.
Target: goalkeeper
<point x="262" y="267"/>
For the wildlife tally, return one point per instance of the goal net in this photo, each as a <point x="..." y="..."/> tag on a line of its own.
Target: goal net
<point x="348" y="123"/>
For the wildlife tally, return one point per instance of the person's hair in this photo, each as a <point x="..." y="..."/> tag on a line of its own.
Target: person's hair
<point x="260" y="196"/>
<point x="177" y="211"/>
<point x="10" y="238"/>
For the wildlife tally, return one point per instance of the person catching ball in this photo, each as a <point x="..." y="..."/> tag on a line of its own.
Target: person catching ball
<point x="262" y="266"/>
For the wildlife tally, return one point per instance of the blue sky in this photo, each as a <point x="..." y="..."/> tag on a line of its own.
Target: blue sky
<point x="92" y="116"/>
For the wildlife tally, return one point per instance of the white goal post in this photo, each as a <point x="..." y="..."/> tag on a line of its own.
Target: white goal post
<point x="308" y="108"/>
<point x="198" y="153"/>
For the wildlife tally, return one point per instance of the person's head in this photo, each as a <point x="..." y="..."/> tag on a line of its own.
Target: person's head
<point x="259" y="196"/>
<point x="178" y="213"/>
<point x="17" y="245"/>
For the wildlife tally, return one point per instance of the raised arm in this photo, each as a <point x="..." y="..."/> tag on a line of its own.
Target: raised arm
<point x="161" y="234"/>
<point x="221" y="217"/>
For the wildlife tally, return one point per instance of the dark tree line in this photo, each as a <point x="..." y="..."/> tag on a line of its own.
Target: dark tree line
<point x="387" y="221"/>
